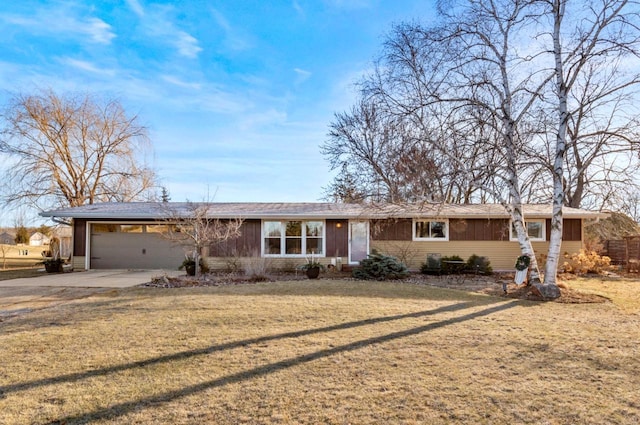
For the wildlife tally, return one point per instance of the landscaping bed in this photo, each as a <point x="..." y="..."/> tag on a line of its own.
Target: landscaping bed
<point x="490" y="285"/>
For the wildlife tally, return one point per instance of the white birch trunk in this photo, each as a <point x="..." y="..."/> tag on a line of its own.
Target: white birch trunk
<point x="514" y="207"/>
<point x="551" y="289"/>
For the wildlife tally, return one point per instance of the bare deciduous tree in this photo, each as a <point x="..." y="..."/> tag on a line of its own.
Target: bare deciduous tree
<point x="71" y="150"/>
<point x="191" y="224"/>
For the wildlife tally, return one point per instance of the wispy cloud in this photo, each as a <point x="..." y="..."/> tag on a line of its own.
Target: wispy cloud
<point x="302" y="75"/>
<point x="98" y="30"/>
<point x="64" y="23"/>
<point x="136" y="7"/>
<point x="159" y="24"/>
<point x="298" y="8"/>
<point x="233" y="39"/>
<point x="186" y="44"/>
<point x="181" y="83"/>
<point x="88" y="66"/>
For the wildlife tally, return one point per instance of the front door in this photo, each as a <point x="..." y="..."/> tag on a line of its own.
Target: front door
<point x="358" y="241"/>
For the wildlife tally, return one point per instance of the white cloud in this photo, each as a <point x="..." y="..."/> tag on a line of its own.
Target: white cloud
<point x="180" y="83"/>
<point x="97" y="29"/>
<point x="158" y="24"/>
<point x="64" y="23"/>
<point x="302" y="74"/>
<point x="187" y="44"/>
<point x="88" y="66"/>
<point x="136" y="7"/>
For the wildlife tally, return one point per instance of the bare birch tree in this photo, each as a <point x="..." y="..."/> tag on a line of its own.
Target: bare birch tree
<point x="70" y="150"/>
<point x="599" y="32"/>
<point x="500" y="80"/>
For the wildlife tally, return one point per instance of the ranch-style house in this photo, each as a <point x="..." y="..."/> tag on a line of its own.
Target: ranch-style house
<point x="131" y="235"/>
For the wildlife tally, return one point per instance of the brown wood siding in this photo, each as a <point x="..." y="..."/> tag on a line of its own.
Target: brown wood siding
<point x="478" y="230"/>
<point x="79" y="237"/>
<point x="571" y="229"/>
<point x="247" y="244"/>
<point x="392" y="230"/>
<point x="468" y="230"/>
<point x="459" y="230"/>
<point x="337" y="243"/>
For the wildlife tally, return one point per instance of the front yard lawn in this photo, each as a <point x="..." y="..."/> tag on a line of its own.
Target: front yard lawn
<point x="329" y="351"/>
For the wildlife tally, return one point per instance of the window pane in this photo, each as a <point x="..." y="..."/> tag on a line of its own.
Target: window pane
<point x="294" y="246"/>
<point x="104" y="228"/>
<point x="314" y="246"/>
<point x="131" y="228"/>
<point x="314" y="228"/>
<point x="272" y="246"/>
<point x="158" y="228"/>
<point x="422" y="229"/>
<point x="534" y="229"/>
<point x="272" y="229"/>
<point x="438" y="229"/>
<point x="294" y="228"/>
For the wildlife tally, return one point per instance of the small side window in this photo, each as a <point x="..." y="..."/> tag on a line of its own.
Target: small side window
<point x="430" y="230"/>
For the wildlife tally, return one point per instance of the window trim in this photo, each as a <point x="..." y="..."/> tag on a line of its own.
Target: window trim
<point x="415" y="237"/>
<point x="283" y="238"/>
<point x="543" y="230"/>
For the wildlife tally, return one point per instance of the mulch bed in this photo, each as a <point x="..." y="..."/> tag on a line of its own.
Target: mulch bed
<point x="490" y="285"/>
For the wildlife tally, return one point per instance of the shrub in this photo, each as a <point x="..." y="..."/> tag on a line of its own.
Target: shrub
<point x="585" y="262"/>
<point x="478" y="264"/>
<point x="204" y="266"/>
<point x="256" y="267"/>
<point x="433" y="265"/>
<point x="380" y="267"/>
<point x="448" y="268"/>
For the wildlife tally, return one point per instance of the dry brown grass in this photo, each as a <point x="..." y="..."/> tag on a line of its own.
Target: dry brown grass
<point x="333" y="352"/>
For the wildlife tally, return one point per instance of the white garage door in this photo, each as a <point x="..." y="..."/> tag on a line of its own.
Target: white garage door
<point x="133" y="246"/>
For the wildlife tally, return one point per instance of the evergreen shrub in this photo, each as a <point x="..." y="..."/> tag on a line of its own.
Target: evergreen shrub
<point x="381" y="267"/>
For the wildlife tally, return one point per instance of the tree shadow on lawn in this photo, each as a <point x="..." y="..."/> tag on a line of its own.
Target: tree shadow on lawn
<point x="121" y="409"/>
<point x="108" y="302"/>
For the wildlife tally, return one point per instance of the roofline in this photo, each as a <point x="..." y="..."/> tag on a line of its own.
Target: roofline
<point x="365" y="212"/>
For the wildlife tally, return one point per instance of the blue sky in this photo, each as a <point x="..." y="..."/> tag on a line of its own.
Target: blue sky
<point x="238" y="95"/>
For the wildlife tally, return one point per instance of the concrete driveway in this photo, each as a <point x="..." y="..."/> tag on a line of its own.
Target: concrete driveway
<point x="91" y="279"/>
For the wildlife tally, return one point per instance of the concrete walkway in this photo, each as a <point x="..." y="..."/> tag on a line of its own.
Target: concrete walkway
<point x="91" y="279"/>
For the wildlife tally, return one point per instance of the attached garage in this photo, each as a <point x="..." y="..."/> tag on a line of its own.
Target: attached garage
<point x="132" y="246"/>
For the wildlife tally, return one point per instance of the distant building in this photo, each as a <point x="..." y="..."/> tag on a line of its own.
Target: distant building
<point x="7" y="238"/>
<point x="38" y="239"/>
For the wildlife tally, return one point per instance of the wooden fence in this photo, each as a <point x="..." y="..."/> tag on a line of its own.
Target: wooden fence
<point x="623" y="252"/>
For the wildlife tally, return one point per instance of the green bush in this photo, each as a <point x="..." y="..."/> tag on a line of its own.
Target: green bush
<point x="380" y="267"/>
<point x="478" y="264"/>
<point x="448" y="268"/>
<point x="432" y="266"/>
